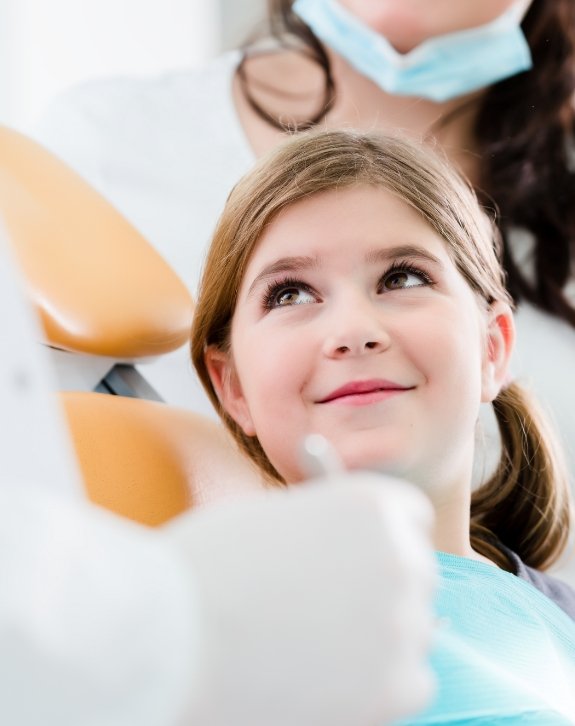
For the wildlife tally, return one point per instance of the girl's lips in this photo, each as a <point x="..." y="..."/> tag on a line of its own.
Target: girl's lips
<point x="363" y="392"/>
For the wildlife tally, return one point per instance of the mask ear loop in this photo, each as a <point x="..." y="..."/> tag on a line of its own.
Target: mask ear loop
<point x="328" y="99"/>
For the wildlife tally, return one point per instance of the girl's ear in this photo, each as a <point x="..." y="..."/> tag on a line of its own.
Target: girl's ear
<point x="228" y="388"/>
<point x="499" y="343"/>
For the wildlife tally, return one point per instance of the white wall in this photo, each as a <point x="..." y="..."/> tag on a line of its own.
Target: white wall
<point x="238" y="18"/>
<point x="47" y="45"/>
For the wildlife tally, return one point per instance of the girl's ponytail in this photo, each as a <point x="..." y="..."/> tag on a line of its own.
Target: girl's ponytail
<point x="525" y="506"/>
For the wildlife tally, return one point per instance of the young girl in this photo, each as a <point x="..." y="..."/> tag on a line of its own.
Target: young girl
<point x="353" y="289"/>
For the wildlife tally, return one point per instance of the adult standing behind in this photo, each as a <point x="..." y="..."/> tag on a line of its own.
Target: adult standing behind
<point x="167" y="150"/>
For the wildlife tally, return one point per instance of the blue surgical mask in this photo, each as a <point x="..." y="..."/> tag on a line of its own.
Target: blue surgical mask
<point x="440" y="68"/>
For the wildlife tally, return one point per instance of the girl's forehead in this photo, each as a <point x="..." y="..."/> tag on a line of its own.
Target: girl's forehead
<point x="344" y="219"/>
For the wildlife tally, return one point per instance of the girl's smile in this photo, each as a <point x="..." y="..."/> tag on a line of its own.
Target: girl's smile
<point x="363" y="393"/>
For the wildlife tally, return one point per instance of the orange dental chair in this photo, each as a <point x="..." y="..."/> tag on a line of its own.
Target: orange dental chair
<point x="107" y="300"/>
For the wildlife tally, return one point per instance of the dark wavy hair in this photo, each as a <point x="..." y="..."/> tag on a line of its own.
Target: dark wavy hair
<point x="525" y="128"/>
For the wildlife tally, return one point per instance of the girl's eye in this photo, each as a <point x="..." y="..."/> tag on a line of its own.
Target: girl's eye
<point x="285" y="294"/>
<point x="404" y="277"/>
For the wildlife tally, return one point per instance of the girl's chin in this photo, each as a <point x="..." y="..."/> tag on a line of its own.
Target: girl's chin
<point x="347" y="456"/>
<point x="374" y="459"/>
<point x="376" y="465"/>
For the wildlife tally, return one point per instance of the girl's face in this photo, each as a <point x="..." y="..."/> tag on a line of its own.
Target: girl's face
<point x="353" y="322"/>
<point x="407" y="23"/>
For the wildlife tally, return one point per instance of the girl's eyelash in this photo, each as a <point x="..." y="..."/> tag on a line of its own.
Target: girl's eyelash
<point x="276" y="286"/>
<point x="409" y="267"/>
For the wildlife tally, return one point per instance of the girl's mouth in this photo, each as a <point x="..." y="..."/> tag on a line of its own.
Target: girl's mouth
<point x="359" y="393"/>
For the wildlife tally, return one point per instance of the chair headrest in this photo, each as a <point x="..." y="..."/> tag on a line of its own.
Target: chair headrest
<point x="99" y="286"/>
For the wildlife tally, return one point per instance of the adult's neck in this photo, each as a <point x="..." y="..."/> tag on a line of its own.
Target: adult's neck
<point x="359" y="103"/>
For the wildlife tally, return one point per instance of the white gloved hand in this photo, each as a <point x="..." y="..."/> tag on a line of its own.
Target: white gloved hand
<point x="316" y="604"/>
<point x="307" y="606"/>
<point x="98" y="623"/>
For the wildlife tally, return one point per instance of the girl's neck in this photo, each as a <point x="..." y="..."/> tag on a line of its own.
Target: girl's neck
<point x="452" y="524"/>
<point x="448" y="484"/>
<point x="451" y="531"/>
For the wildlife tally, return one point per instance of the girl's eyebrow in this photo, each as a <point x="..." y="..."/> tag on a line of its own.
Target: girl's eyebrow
<point x="393" y="253"/>
<point x="301" y="263"/>
<point x="284" y="264"/>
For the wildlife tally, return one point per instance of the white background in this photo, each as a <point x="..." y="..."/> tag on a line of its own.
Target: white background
<point x="48" y="45"/>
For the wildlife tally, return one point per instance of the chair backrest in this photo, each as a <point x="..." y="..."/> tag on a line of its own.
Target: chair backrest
<point x="149" y="461"/>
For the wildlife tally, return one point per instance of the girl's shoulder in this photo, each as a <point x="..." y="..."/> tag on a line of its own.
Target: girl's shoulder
<point x="555" y="589"/>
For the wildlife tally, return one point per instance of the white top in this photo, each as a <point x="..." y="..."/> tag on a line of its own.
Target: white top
<point x="167" y="150"/>
<point x="164" y="150"/>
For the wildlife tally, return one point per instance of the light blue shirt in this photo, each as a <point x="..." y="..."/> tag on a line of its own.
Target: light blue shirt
<point x="504" y="652"/>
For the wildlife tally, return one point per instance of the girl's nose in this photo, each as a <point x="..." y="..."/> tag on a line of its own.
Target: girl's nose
<point x="359" y="332"/>
<point x="354" y="348"/>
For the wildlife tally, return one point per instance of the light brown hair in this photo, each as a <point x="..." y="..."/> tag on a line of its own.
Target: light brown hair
<point x="525" y="506"/>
